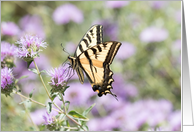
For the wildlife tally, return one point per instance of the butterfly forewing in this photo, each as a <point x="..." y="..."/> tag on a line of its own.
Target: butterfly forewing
<point x="93" y="37"/>
<point x="95" y="63"/>
<point x="93" y="57"/>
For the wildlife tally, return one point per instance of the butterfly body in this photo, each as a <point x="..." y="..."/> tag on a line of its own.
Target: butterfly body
<point x="93" y="57"/>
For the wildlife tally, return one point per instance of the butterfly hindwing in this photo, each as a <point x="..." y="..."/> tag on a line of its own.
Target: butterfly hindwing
<point x="93" y="57"/>
<point x="92" y="37"/>
<point x="95" y="63"/>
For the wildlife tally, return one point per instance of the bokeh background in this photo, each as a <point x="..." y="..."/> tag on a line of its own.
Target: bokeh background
<point x="147" y="67"/>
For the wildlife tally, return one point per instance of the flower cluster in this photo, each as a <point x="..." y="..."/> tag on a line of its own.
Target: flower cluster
<point x="137" y="116"/>
<point x="7" y="81"/>
<point x="116" y="4"/>
<point x="58" y="79"/>
<point x="29" y="47"/>
<point x="9" y="28"/>
<point x="67" y="12"/>
<point x="153" y="34"/>
<point x="49" y="121"/>
<point x="8" y="53"/>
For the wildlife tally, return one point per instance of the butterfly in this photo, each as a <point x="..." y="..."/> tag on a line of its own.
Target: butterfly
<point x="93" y="57"/>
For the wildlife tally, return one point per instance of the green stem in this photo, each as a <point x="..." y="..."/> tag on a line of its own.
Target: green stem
<point x="45" y="86"/>
<point x="27" y="112"/>
<point x="34" y="101"/>
<point x="65" y="112"/>
<point x="51" y="98"/>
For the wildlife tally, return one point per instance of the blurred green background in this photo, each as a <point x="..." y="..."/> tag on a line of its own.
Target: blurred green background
<point x="149" y="64"/>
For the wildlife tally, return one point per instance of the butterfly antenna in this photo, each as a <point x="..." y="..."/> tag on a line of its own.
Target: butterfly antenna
<point x="64" y="49"/>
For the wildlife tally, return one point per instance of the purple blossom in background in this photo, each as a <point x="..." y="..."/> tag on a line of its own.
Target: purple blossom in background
<point x="133" y="116"/>
<point x="126" y="50"/>
<point x="58" y="77"/>
<point x="112" y="104"/>
<point x="78" y="93"/>
<point x="9" y="28"/>
<point x="21" y="70"/>
<point x="70" y="47"/>
<point x="29" y="46"/>
<point x="42" y="62"/>
<point x="92" y="124"/>
<point x="177" y="45"/>
<point x="178" y="16"/>
<point x="116" y="4"/>
<point x="158" y="4"/>
<point x="67" y="12"/>
<point x="153" y="34"/>
<point x="7" y="78"/>
<point x="36" y="116"/>
<point x="131" y="90"/>
<point x="175" y="120"/>
<point x="32" y="24"/>
<point x="7" y="50"/>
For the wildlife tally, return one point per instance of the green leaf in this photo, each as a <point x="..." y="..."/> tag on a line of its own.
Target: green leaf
<point x="33" y="70"/>
<point x="53" y="95"/>
<point x="31" y="93"/>
<point x="22" y="77"/>
<point x="49" y="107"/>
<point x="77" y="115"/>
<point x="67" y="123"/>
<point x="67" y="106"/>
<point x="85" y="127"/>
<point x="61" y="116"/>
<point x="60" y="97"/>
<point x="43" y="71"/>
<point x="88" y="110"/>
<point x="65" y="89"/>
<point x="27" y="103"/>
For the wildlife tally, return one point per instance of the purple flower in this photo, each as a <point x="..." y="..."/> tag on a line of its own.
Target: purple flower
<point x="48" y="119"/>
<point x="32" y="25"/>
<point x="126" y="50"/>
<point x="64" y="13"/>
<point x="153" y="34"/>
<point x="175" y="120"/>
<point x="158" y="4"/>
<point x="7" y="78"/>
<point x="116" y="4"/>
<point x="37" y="115"/>
<point x="58" y="78"/>
<point x="9" y="28"/>
<point x="29" y="46"/>
<point x="7" y="81"/>
<point x="7" y="51"/>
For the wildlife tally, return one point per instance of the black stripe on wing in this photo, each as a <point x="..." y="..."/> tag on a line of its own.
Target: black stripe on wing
<point x="93" y="36"/>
